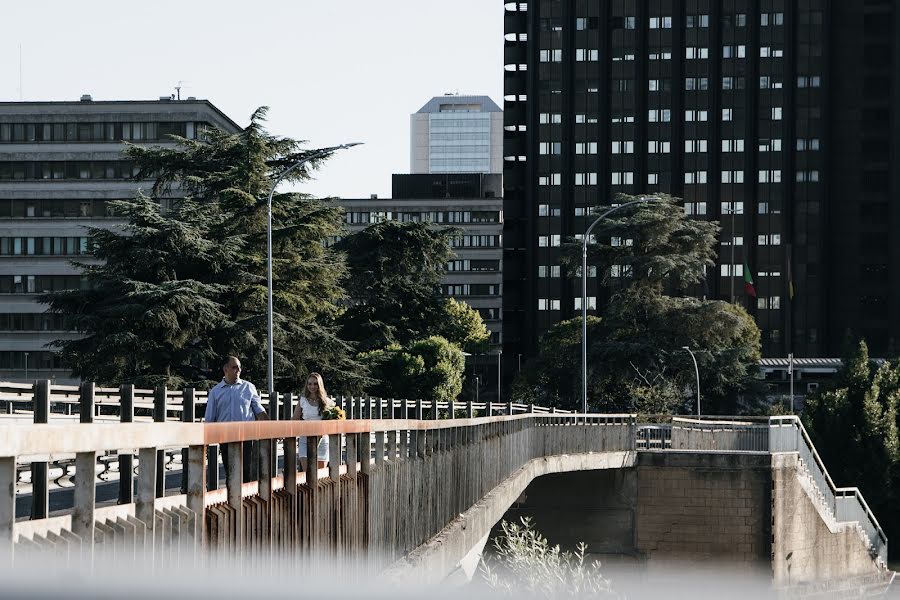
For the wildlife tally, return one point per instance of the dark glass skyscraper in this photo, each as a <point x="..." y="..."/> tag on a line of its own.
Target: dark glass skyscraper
<point x="777" y="118"/>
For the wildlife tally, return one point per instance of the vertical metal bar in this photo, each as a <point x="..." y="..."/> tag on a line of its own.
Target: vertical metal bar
<point x="187" y="416"/>
<point x="126" y="460"/>
<point x="86" y="402"/>
<point x="265" y="470"/>
<point x="312" y="461"/>
<point x="273" y="406"/>
<point x="287" y="407"/>
<point x="470" y="410"/>
<point x="334" y="457"/>
<point x="352" y="458"/>
<point x="40" y="493"/>
<point x="212" y="467"/>
<point x="159" y="416"/>
<point x="196" y="488"/>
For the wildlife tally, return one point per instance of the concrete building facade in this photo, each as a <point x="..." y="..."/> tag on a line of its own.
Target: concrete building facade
<point x="60" y="164"/>
<point x="457" y="134"/>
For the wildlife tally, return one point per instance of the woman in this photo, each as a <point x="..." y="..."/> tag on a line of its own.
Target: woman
<point x="310" y="408"/>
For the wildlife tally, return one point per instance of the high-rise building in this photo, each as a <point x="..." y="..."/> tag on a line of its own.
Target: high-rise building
<point x="777" y="118"/>
<point x="60" y="164"/>
<point x="456" y="134"/>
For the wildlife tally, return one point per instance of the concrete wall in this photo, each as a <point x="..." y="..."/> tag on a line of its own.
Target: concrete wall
<point x="807" y="544"/>
<point x="696" y="506"/>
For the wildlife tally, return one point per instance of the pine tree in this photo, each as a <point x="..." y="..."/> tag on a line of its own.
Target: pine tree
<point x="210" y="248"/>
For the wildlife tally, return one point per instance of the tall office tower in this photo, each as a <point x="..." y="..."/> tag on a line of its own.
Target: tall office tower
<point x="457" y="134"/>
<point x="777" y="118"/>
<point x="60" y="163"/>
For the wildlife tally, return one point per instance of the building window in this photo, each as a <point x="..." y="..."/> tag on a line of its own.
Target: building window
<point x="545" y="118"/>
<point x="550" y="179"/>
<point x="769" y="145"/>
<point x="727" y="114"/>
<point x="770" y="303"/>
<point x="623" y="56"/>
<point x="589" y="147"/>
<point x="549" y="148"/>
<point x="767" y="19"/>
<point x="732" y="145"/>
<point x="769" y="83"/>
<point x="659" y="115"/>
<point x="624" y="147"/>
<point x="807" y="176"/>
<point x="695" y="53"/>
<point x="731" y="270"/>
<point x="660" y="22"/>
<point x="732" y="177"/>
<point x="585" y="179"/>
<point x="591" y="303"/>
<point x="807" y="144"/>
<point x="658" y="147"/>
<point x="732" y="207"/>
<point x="769" y="176"/>
<point x="776" y="113"/>
<point x="657" y="56"/>
<point x="694" y="21"/>
<point x="586" y="54"/>
<point x="696" y="83"/>
<point x="694" y="178"/>
<point x="692" y="115"/>
<point x="692" y="146"/>
<point x="550" y="55"/>
<point x="732" y="83"/>
<point x="813" y="81"/>
<point x="620" y="178"/>
<point x="652" y="178"/>
<point x="695" y="208"/>
<point x="770" y="52"/>
<point x="548" y="304"/>
<point x="734" y="51"/>
<point x="768" y="239"/>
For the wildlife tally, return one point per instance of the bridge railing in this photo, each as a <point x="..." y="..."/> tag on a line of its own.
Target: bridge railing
<point x="847" y="504"/>
<point x="352" y="506"/>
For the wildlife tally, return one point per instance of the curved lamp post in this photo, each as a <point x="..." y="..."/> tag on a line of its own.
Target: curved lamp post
<point x="584" y="243"/>
<point x="696" y="372"/>
<point x="312" y="155"/>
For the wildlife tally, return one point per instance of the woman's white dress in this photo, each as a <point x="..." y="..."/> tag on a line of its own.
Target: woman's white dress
<point x="311" y="413"/>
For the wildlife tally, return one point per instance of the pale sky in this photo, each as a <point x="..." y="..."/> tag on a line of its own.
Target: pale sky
<point x="331" y="71"/>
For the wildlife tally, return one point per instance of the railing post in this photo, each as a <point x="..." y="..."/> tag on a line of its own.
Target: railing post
<point x="435" y="413"/>
<point x="85" y="499"/>
<point x="312" y="464"/>
<point x="7" y="510"/>
<point x="489" y="409"/>
<point x="290" y="449"/>
<point x="126" y="461"/>
<point x="509" y="409"/>
<point x="265" y="469"/>
<point x="86" y="402"/>
<point x="146" y="488"/>
<point x="159" y="416"/>
<point x="352" y="454"/>
<point x="470" y="410"/>
<point x="187" y="416"/>
<point x="234" y="471"/>
<point x="40" y="493"/>
<point x="196" y="489"/>
<point x="273" y="406"/>
<point x="334" y="458"/>
<point x="451" y="409"/>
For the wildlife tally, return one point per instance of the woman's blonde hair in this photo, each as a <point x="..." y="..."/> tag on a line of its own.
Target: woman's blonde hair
<point x="321" y="398"/>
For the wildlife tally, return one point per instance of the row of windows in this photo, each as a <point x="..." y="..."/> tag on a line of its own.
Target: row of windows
<point x="47" y="246"/>
<point x="553" y="303"/>
<point x="32" y="360"/>
<point x="691" y="21"/>
<point x="471" y="289"/>
<point x="67" y="169"/>
<point x="690" y="177"/>
<point x="690" y="146"/>
<point x="468" y="265"/>
<point x="54" y="208"/>
<point x="762" y="208"/>
<point x="36" y="284"/>
<point x="32" y="322"/>
<point x="476" y="241"/>
<point x="447" y="216"/>
<point x="97" y="132"/>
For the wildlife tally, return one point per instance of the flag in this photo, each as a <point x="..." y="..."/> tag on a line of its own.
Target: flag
<point x="748" y="281"/>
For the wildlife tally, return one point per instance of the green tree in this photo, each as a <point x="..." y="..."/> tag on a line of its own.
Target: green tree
<point x="648" y="256"/>
<point x="429" y="369"/>
<point x="854" y="425"/>
<point x="394" y="284"/>
<point x="217" y="188"/>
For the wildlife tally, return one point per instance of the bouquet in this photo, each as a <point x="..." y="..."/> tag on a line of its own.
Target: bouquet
<point x="333" y="413"/>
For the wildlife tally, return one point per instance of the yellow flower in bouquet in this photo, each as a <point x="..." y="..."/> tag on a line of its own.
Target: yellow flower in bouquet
<point x="333" y="413"/>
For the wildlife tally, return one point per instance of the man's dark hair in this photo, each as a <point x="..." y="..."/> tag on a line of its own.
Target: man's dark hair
<point x="228" y="358"/>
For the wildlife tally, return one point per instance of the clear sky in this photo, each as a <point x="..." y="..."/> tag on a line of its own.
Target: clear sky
<point x="331" y="71"/>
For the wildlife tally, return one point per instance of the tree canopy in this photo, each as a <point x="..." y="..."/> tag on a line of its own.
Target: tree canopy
<point x="431" y="368"/>
<point x="854" y="425"/>
<point x="184" y="280"/>
<point x="646" y="256"/>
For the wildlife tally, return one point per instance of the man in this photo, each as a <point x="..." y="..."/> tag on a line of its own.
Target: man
<point x="234" y="399"/>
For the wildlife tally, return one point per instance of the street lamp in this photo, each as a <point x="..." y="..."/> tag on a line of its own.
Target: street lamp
<point x="26" y="366"/>
<point x="584" y="243"/>
<point x="697" y="372"/>
<point x="499" y="354"/>
<point x="312" y="155"/>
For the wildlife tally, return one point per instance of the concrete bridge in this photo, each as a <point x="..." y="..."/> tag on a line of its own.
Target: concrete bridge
<point x="413" y="497"/>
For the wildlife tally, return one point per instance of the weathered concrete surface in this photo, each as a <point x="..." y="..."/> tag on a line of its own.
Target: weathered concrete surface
<point x="696" y="506"/>
<point x="432" y="561"/>
<point x="807" y="543"/>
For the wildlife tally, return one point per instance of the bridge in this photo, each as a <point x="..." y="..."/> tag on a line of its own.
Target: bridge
<point x="413" y="491"/>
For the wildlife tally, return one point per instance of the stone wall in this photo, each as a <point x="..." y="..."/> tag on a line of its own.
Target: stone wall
<point x="807" y="544"/>
<point x="704" y="507"/>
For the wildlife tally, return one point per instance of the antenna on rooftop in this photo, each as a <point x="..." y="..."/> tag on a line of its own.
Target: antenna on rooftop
<point x="178" y="89"/>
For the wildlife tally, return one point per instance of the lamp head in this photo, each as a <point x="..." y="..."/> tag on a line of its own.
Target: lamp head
<point x="686" y="348"/>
